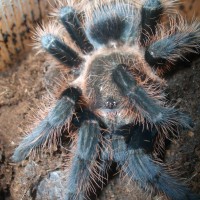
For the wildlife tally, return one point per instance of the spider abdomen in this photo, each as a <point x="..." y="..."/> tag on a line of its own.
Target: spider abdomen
<point x="113" y="23"/>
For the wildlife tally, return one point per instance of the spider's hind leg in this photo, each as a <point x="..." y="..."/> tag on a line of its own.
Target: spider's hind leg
<point x="72" y="24"/>
<point x="63" y="53"/>
<point x="150" y="14"/>
<point x="49" y="129"/>
<point x="174" y="44"/>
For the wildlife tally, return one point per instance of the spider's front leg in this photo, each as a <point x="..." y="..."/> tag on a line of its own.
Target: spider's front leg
<point x="49" y="129"/>
<point x="141" y="168"/>
<point x="82" y="174"/>
<point x="133" y="155"/>
<point x="149" y="109"/>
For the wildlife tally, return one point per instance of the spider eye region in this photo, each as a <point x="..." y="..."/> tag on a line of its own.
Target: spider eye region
<point x="101" y="88"/>
<point x="111" y="103"/>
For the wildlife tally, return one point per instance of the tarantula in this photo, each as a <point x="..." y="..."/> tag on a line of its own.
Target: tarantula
<point x="113" y="107"/>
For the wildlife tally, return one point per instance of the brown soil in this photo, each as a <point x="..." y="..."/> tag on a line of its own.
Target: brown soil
<point x="22" y="87"/>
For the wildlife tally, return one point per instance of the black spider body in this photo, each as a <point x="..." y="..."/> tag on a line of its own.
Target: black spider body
<point x="114" y="104"/>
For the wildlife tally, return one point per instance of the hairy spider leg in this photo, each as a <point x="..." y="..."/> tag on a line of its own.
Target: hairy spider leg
<point x="138" y="136"/>
<point x="140" y="167"/>
<point x="132" y="146"/>
<point x="72" y="24"/>
<point x="150" y="16"/>
<point x="49" y="129"/>
<point x="81" y="176"/>
<point x="174" y="46"/>
<point x="129" y="136"/>
<point x="154" y="113"/>
<point x="63" y="53"/>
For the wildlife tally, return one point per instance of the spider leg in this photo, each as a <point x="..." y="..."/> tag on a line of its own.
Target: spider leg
<point x="148" y="107"/>
<point x="141" y="168"/>
<point x="63" y="53"/>
<point x="81" y="176"/>
<point x="150" y="14"/>
<point x="131" y="155"/>
<point x="174" y="46"/>
<point x="49" y="129"/>
<point x="138" y="136"/>
<point x="72" y="24"/>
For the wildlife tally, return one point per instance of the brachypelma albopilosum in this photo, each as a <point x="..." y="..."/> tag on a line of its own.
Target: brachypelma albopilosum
<point x="113" y="106"/>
